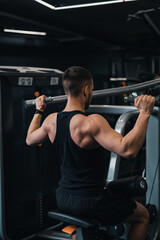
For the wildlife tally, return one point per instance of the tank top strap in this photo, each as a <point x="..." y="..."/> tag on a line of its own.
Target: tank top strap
<point x="63" y="122"/>
<point x="73" y="113"/>
<point x="66" y="116"/>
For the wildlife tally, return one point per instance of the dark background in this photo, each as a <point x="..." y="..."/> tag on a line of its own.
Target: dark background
<point x="98" y="38"/>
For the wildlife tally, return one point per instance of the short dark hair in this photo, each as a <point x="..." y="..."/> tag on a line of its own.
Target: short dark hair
<point x="74" y="78"/>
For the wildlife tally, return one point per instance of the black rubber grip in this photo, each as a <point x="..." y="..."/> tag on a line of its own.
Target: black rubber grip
<point x="131" y="100"/>
<point x="48" y="99"/>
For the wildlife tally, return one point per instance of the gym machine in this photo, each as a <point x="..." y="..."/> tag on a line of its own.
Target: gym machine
<point x="27" y="185"/>
<point x="88" y="229"/>
<point x="28" y="177"/>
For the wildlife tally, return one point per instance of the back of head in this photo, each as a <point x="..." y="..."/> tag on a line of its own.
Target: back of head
<point x="74" y="79"/>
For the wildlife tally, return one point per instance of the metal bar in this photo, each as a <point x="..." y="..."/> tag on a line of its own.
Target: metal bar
<point x="151" y="24"/>
<point x="128" y="89"/>
<point x="110" y="109"/>
<point x="102" y="93"/>
<point x="115" y="158"/>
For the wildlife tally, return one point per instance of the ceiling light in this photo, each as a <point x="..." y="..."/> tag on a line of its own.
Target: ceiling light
<point x="46" y="4"/>
<point x="25" y="32"/>
<point x="82" y="5"/>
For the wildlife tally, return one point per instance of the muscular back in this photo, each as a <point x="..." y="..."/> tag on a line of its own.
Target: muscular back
<point x="79" y="130"/>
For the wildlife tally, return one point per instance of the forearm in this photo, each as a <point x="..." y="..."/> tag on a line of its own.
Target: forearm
<point x="34" y="125"/>
<point x="134" y="140"/>
<point x="36" y="133"/>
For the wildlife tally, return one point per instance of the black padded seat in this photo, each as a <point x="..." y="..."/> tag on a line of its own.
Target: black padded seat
<point x="79" y="222"/>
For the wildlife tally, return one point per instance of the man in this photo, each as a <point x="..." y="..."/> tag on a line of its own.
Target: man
<point x="80" y="142"/>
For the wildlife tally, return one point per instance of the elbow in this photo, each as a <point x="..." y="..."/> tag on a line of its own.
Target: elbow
<point x="130" y="155"/>
<point x="28" y="142"/>
<point x="128" y="151"/>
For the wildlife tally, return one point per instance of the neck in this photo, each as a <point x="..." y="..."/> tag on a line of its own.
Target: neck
<point x="75" y="103"/>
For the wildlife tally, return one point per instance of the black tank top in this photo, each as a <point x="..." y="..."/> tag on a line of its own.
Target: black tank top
<point x="82" y="170"/>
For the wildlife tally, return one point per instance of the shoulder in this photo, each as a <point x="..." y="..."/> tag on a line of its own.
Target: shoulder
<point x="92" y="123"/>
<point x="50" y="119"/>
<point x="52" y="116"/>
<point x="96" y="119"/>
<point x="97" y="123"/>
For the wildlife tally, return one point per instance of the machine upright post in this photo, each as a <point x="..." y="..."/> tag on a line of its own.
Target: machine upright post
<point x="153" y="169"/>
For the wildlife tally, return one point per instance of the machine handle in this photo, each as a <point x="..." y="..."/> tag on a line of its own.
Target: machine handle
<point x="30" y="103"/>
<point x="131" y="100"/>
